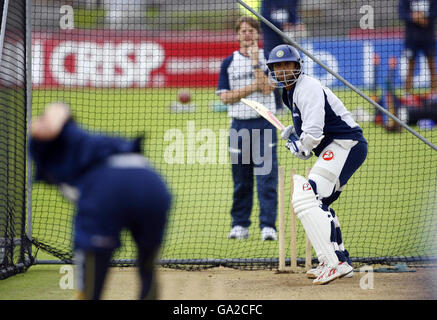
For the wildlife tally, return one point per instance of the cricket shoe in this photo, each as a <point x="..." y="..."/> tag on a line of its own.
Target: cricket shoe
<point x="268" y="233"/>
<point x="345" y="269"/>
<point x="315" y="272"/>
<point x="330" y="273"/>
<point x="239" y="232"/>
<point x="349" y="274"/>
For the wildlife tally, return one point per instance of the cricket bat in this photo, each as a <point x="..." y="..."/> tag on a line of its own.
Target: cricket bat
<point x="264" y="112"/>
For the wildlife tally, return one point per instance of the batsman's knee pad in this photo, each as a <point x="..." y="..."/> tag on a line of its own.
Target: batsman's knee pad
<point x="327" y="168"/>
<point x="318" y="224"/>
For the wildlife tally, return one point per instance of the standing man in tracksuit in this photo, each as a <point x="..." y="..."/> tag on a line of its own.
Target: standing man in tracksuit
<point x="252" y="138"/>
<point x="419" y="17"/>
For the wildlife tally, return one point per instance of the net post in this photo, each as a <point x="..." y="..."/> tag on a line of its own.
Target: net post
<point x="281" y="212"/>
<point x="293" y="231"/>
<point x="3" y="28"/>
<point x="308" y="247"/>
<point x="28" y="118"/>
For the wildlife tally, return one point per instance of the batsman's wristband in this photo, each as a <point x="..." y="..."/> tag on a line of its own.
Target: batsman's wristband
<point x="257" y="66"/>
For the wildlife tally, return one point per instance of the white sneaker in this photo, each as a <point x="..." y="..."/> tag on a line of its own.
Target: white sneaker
<point x="315" y="273"/>
<point x="330" y="273"/>
<point x="239" y="232"/>
<point x="348" y="275"/>
<point x="346" y="270"/>
<point x="268" y="233"/>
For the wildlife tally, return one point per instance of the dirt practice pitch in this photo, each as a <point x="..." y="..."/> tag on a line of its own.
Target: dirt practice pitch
<point x="230" y="284"/>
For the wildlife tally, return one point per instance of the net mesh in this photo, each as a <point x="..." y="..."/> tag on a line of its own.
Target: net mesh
<point x="14" y="245"/>
<point x="151" y="67"/>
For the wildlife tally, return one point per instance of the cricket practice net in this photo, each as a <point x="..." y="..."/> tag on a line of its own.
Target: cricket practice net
<point x="14" y="245"/>
<point x="137" y="67"/>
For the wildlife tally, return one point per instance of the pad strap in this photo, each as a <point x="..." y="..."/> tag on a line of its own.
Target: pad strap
<point x="328" y="175"/>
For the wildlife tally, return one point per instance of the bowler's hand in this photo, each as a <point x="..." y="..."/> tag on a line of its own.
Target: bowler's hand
<point x="50" y="124"/>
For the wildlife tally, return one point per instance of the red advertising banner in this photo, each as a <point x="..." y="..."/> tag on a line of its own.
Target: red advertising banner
<point x="109" y="59"/>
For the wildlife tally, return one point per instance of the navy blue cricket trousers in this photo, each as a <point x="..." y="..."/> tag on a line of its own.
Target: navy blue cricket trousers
<point x="253" y="145"/>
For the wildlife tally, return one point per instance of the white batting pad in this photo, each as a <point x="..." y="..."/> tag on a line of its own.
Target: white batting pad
<point x="309" y="141"/>
<point x="315" y="221"/>
<point x="327" y="168"/>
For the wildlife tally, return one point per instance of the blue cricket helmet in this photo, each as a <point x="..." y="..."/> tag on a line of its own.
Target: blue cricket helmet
<point x="284" y="53"/>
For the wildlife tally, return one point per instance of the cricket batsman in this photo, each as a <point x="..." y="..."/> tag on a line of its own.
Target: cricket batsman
<point x="324" y="127"/>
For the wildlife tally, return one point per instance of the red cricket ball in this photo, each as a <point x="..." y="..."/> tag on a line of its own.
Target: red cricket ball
<point x="184" y="97"/>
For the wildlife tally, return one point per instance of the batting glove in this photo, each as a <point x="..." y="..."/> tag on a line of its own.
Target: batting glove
<point x="297" y="148"/>
<point x="287" y="132"/>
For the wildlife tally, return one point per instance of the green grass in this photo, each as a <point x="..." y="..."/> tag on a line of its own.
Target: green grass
<point x="383" y="193"/>
<point x="176" y="21"/>
<point x="38" y="283"/>
<point x="88" y="18"/>
<point x="388" y="208"/>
